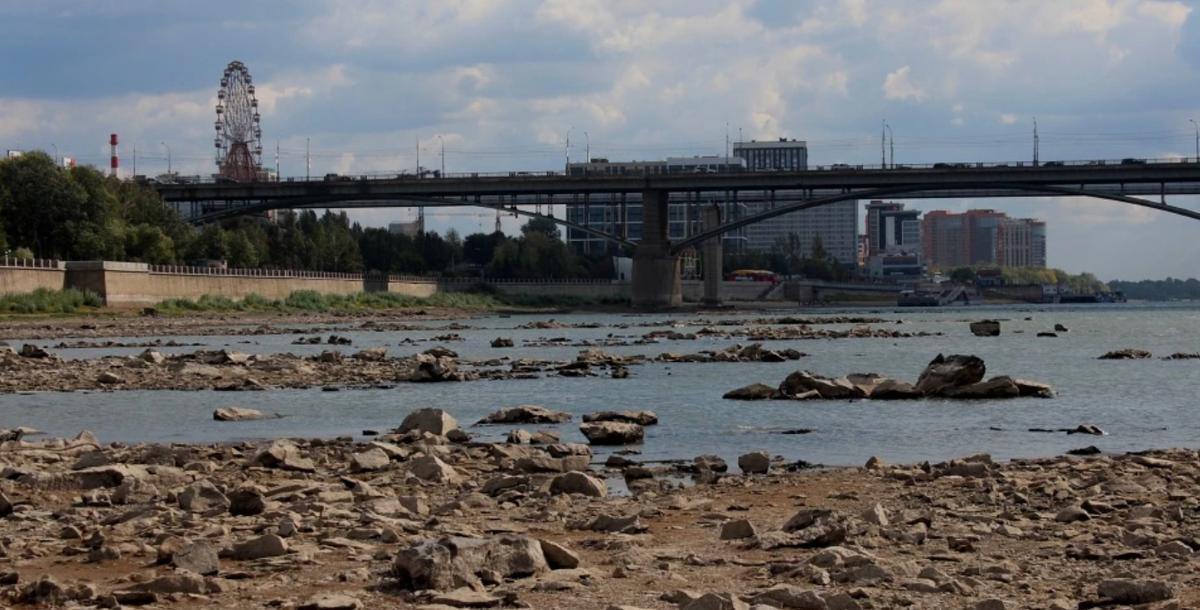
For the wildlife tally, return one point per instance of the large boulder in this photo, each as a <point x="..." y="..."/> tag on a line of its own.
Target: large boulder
<point x="430" y="468"/>
<point x="1034" y="388"/>
<point x="996" y="387"/>
<point x="526" y="414"/>
<point x="986" y="328"/>
<point x="754" y="391"/>
<point x="433" y="421"/>
<point x="892" y="389"/>
<point x="612" y="433"/>
<point x="282" y="454"/>
<point x="641" y="418"/>
<point x="802" y="382"/>
<point x="237" y="414"/>
<point x="758" y="462"/>
<point x="450" y="563"/>
<point x="435" y="368"/>
<point x="202" y="496"/>
<point x="197" y="557"/>
<point x="945" y="372"/>
<point x="578" y="483"/>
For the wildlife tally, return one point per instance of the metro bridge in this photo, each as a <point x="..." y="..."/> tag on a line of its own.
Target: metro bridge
<point x="656" y="280"/>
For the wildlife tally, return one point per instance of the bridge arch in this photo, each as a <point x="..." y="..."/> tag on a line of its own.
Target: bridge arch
<point x="332" y="201"/>
<point x="699" y="238"/>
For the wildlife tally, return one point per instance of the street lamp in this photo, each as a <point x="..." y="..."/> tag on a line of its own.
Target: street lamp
<point x="891" y="147"/>
<point x="443" y="143"/>
<point x="568" y="168"/>
<point x="587" y="148"/>
<point x="1197" y="139"/>
<point x="168" y="157"/>
<point x="55" y="152"/>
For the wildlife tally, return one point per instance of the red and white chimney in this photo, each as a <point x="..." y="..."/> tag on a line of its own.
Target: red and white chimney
<point x="115" y="161"/>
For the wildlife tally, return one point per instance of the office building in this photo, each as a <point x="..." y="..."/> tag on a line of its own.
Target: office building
<point x="891" y="227"/>
<point x="982" y="237"/>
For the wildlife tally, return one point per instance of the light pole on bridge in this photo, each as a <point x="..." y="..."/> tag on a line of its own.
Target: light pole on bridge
<point x="443" y="143"/>
<point x="168" y="157"/>
<point x="1197" y="139"/>
<point x="891" y="146"/>
<point x="567" y="169"/>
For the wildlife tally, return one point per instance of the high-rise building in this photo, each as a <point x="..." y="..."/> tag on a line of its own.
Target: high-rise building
<point x="982" y="237"/>
<point x="890" y="227"/>
<point x="773" y="156"/>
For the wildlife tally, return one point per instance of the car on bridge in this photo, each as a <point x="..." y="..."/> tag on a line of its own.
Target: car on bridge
<point x="1132" y="161"/>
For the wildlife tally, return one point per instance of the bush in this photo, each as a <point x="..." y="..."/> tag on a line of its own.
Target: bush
<point x="44" y="300"/>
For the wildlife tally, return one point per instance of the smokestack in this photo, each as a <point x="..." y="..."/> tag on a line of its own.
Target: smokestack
<point x="115" y="162"/>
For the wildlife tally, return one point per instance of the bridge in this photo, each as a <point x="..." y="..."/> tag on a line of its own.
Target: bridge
<point x="656" y="280"/>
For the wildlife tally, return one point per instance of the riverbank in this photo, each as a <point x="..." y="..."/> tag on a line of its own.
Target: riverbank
<point x="325" y="523"/>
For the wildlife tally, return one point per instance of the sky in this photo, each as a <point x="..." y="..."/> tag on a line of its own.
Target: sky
<point x="360" y="86"/>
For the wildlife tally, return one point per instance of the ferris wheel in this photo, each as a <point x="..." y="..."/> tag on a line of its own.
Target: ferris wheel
<point x="239" y="132"/>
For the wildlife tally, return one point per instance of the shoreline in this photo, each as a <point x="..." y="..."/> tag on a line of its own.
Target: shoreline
<point x="961" y="533"/>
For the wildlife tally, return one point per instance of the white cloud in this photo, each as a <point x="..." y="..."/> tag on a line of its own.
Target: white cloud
<point x="1008" y="118"/>
<point x="899" y="86"/>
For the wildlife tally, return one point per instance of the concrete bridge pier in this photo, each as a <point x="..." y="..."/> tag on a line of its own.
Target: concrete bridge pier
<point x="656" y="281"/>
<point x="712" y="260"/>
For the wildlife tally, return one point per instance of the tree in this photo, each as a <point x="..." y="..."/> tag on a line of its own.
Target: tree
<point x="963" y="275"/>
<point x="545" y="226"/>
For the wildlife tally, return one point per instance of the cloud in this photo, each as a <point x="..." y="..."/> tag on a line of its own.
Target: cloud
<point x="899" y="86"/>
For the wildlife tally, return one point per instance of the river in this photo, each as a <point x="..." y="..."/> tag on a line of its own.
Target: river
<point x="1142" y="404"/>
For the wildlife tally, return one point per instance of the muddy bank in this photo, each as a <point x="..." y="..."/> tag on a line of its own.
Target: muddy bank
<point x="330" y="523"/>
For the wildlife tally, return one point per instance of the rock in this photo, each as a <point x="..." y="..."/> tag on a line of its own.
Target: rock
<point x="996" y="387"/>
<point x="559" y="557"/>
<point x="712" y="601"/>
<point x="110" y="378"/>
<point x="754" y="391"/>
<point x="1034" y="389"/>
<point x="518" y="437"/>
<point x="526" y="414"/>
<point x="435" y="368"/>
<point x="1072" y="514"/>
<point x="612" y="433"/>
<point x="269" y="545"/>
<point x="246" y="502"/>
<point x="992" y="604"/>
<point x="758" y="462"/>
<point x="544" y="437"/>
<point x="985" y="328"/>
<point x="737" y="530"/>
<point x="631" y="524"/>
<point x="197" y="557"/>
<point x="801" y="382"/>
<point x="466" y="598"/>
<point x="876" y="515"/>
<point x="711" y="463"/>
<point x="371" y="354"/>
<point x="502" y="342"/>
<point x="201" y="497"/>
<point x="430" y="468"/>
<point x="152" y="356"/>
<point x="945" y="372"/>
<point x="32" y="351"/>
<point x="1089" y="450"/>
<point x="1126" y="354"/>
<point x="1060" y="328"/>
<point x="282" y="454"/>
<point x="641" y="418"/>
<point x="1131" y="591"/>
<point x="787" y="596"/>
<point x="450" y="563"/>
<point x="331" y="601"/>
<point x="237" y="414"/>
<point x="892" y="389"/>
<point x="180" y="582"/>
<point x="578" y="483"/>
<point x="440" y="351"/>
<point x="433" y="421"/>
<point x="370" y="460"/>
<point x="1087" y="429"/>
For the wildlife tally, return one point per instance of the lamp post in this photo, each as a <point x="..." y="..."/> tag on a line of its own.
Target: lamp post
<point x="307" y="159"/>
<point x="55" y="152"/>
<point x="168" y="157"/>
<point x="891" y="147"/>
<point x="443" y="143"/>
<point x="1197" y="139"/>
<point x="587" y="148"/>
<point x="567" y="169"/>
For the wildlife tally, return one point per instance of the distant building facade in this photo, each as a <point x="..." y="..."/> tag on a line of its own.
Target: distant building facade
<point x="982" y="237"/>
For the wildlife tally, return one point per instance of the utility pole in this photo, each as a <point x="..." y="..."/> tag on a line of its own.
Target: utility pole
<point x="587" y="148"/>
<point x="567" y="170"/>
<point x="307" y="159"/>
<point x="418" y="140"/>
<point x="1035" y="142"/>
<point x="168" y="157"/>
<point x="135" y="156"/>
<point x="726" y="145"/>
<point x="277" y="177"/>
<point x="56" y="154"/>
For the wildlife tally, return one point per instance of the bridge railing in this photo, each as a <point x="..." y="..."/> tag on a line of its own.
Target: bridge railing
<point x="592" y="174"/>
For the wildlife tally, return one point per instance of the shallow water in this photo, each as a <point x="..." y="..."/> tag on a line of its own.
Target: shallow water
<point x="1142" y="404"/>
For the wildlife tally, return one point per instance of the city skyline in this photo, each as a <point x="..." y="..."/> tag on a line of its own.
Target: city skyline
<point x="502" y="85"/>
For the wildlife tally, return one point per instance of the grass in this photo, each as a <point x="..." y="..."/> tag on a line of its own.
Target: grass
<point x="309" y="300"/>
<point x="43" y="301"/>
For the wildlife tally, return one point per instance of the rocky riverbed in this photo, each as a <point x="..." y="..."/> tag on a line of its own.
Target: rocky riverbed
<point x="425" y="517"/>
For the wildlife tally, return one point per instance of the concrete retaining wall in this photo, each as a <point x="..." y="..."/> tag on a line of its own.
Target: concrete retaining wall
<point x="22" y="277"/>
